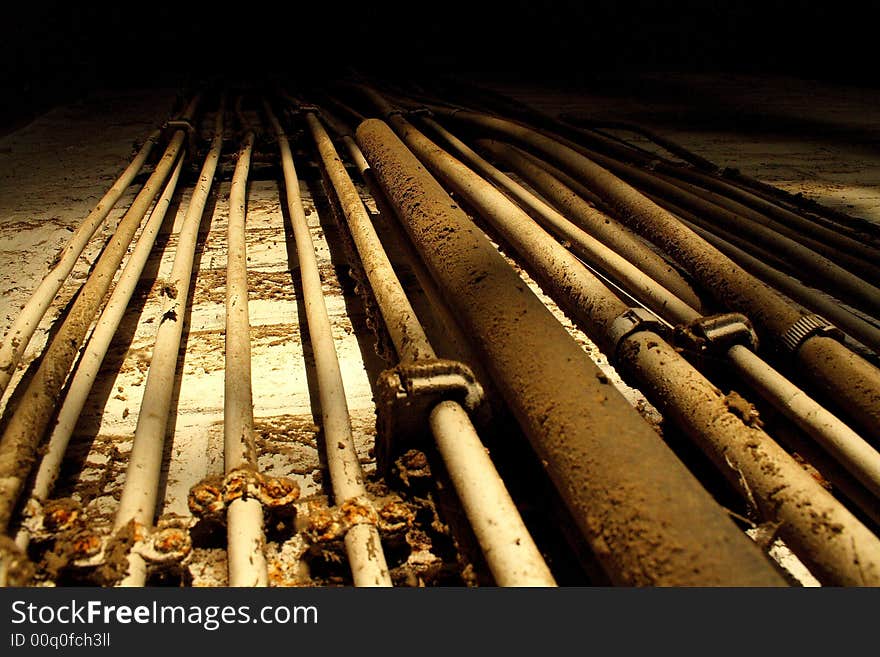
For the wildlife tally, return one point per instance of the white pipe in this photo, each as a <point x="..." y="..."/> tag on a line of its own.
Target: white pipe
<point x="509" y="549"/>
<point x="367" y="563"/>
<point x="244" y="520"/>
<point x="140" y="492"/>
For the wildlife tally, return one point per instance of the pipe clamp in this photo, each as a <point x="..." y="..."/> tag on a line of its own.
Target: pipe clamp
<point x="407" y="394"/>
<point x="804" y="329"/>
<point x="631" y="321"/>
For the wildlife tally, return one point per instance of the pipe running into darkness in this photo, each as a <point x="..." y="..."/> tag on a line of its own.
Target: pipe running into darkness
<point x="362" y="541"/>
<point x="829" y="365"/>
<point x="140" y="492"/>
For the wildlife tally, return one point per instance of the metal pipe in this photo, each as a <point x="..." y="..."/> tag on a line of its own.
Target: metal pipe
<point x="244" y="519"/>
<point x="509" y="549"/>
<point x="99" y="341"/>
<point x="605" y="460"/>
<point x="828" y="364"/>
<point x="856" y="258"/>
<point x="22" y="330"/>
<point x="364" y="548"/>
<point x="18" y="446"/>
<point x="734" y="185"/>
<point x="140" y="492"/>
<point x="635" y="266"/>
<point x="695" y="403"/>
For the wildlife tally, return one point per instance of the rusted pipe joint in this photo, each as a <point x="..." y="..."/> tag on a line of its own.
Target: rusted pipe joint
<point x="407" y="394"/>
<point x="210" y="497"/>
<point x="715" y="334"/>
<point x="804" y="329"/>
<point x="631" y="321"/>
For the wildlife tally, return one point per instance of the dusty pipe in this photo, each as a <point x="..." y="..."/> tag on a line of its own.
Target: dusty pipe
<point x="508" y="547"/>
<point x="139" y="494"/>
<point x="611" y="483"/>
<point x="694" y="402"/>
<point x="22" y="330"/>
<point x="857" y="257"/>
<point x="828" y="364"/>
<point x="603" y="228"/>
<point x="18" y="446"/>
<point x="845" y="445"/>
<point x="741" y="188"/>
<point x="451" y="330"/>
<point x="851" y="286"/>
<point x="636" y="275"/>
<point x="244" y="519"/>
<point x="96" y="348"/>
<point x="364" y="548"/>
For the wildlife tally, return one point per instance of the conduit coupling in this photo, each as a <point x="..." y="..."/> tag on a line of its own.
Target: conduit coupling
<point x="715" y="334"/>
<point x="804" y="328"/>
<point x="632" y="320"/>
<point x="406" y="395"/>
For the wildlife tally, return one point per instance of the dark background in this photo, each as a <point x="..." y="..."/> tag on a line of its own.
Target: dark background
<point x="52" y="51"/>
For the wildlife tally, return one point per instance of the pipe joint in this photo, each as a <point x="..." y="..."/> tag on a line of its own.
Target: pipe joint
<point x="715" y="334"/>
<point x="805" y="328"/>
<point x="632" y="320"/>
<point x="173" y="125"/>
<point x="408" y="393"/>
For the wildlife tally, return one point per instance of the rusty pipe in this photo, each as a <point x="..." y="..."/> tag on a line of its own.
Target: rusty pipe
<point x="362" y="541"/>
<point x="96" y="348"/>
<point x="637" y="274"/>
<point x="22" y="330"/>
<point x="828" y="364"/>
<point x="140" y="491"/>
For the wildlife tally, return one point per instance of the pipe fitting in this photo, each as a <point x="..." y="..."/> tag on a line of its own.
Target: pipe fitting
<point x="805" y="328"/>
<point x="406" y="395"/>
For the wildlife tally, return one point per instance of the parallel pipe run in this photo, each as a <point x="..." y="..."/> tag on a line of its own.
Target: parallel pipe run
<point x="510" y="551"/>
<point x="857" y="258"/>
<point x="840" y="281"/>
<point x="600" y="232"/>
<point x="139" y="494"/>
<point x="362" y="541"/>
<point x="607" y="463"/>
<point x="741" y="189"/>
<point x="694" y="403"/>
<point x="829" y="365"/>
<point x="859" y="458"/>
<point x="90" y="362"/>
<point x="635" y="279"/>
<point x="22" y="330"/>
<point x="18" y="446"/>
<point x="244" y="520"/>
